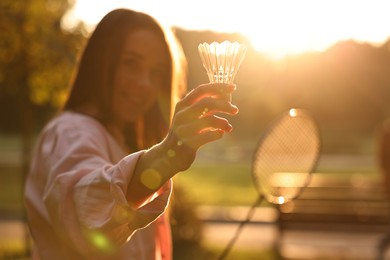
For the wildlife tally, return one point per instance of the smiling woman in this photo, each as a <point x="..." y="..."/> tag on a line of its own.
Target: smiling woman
<point x="276" y="28"/>
<point x="101" y="176"/>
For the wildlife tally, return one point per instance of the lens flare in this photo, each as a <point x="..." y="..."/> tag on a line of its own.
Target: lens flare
<point x="123" y="214"/>
<point x="171" y="153"/>
<point x="151" y="178"/>
<point x="100" y="241"/>
<point x="293" y="112"/>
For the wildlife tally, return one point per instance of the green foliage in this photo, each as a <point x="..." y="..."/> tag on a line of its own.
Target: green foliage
<point x="11" y="185"/>
<point x="246" y="254"/>
<point x="222" y="184"/>
<point x="187" y="228"/>
<point x="36" y="56"/>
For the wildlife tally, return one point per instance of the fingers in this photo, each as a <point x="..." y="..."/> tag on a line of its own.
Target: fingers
<point x="205" y="107"/>
<point x="195" y="134"/>
<point x="216" y="90"/>
<point x="202" y="125"/>
<point x="195" y="123"/>
<point x="208" y="106"/>
<point x="185" y="148"/>
<point x="181" y="153"/>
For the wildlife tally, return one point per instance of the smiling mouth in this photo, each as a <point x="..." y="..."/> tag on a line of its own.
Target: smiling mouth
<point x="138" y="100"/>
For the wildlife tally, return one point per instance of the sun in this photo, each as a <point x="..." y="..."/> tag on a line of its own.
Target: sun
<point x="277" y="28"/>
<point x="281" y="40"/>
<point x="294" y="27"/>
<point x="281" y="32"/>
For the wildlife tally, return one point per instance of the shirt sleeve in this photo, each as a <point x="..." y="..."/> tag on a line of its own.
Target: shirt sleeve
<point x="85" y="193"/>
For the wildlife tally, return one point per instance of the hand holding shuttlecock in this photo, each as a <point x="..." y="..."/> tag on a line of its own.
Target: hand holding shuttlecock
<point x="222" y="60"/>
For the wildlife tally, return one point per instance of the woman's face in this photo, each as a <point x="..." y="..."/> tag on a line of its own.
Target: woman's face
<point x="142" y="71"/>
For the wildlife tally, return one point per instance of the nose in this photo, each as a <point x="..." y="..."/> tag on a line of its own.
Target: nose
<point x="145" y="79"/>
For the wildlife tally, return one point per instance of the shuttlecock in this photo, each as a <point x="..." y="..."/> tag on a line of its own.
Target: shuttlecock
<point x="222" y="60"/>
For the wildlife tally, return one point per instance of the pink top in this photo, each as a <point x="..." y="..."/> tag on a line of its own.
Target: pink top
<point x="76" y="197"/>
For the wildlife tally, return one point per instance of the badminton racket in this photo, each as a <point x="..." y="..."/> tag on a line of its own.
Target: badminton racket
<point x="283" y="161"/>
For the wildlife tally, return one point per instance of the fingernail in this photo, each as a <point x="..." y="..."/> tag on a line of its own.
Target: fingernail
<point x="236" y="110"/>
<point x="228" y="88"/>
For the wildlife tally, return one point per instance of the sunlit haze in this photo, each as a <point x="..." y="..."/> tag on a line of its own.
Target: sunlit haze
<point x="276" y="28"/>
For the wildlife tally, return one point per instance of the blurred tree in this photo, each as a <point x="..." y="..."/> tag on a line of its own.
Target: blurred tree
<point x="36" y="55"/>
<point x="36" y="60"/>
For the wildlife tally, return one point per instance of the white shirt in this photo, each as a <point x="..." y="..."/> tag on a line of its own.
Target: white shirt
<point x="76" y="202"/>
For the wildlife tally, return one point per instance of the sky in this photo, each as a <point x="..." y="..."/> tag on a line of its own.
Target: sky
<point x="277" y="28"/>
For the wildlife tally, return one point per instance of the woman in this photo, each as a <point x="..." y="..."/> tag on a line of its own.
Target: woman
<point x="100" y="177"/>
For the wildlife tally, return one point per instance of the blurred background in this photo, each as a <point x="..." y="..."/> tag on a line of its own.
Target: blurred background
<point x="331" y="58"/>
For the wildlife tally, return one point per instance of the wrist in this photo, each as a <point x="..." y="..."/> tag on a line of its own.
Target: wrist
<point x="156" y="167"/>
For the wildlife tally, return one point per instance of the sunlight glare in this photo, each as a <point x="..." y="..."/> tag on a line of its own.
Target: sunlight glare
<point x="277" y="28"/>
<point x="151" y="178"/>
<point x="280" y="200"/>
<point x="293" y="112"/>
<point x="100" y="241"/>
<point x="294" y="27"/>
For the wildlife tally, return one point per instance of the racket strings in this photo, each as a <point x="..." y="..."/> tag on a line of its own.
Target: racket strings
<point x="286" y="157"/>
<point x="283" y="162"/>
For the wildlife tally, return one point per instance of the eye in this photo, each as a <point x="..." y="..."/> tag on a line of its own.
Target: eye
<point x="131" y="64"/>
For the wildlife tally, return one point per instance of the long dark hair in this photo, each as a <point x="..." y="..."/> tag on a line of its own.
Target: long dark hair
<point x="93" y="80"/>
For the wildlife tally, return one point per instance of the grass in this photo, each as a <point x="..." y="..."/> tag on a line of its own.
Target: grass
<point x="218" y="184"/>
<point x="231" y="184"/>
<point x="215" y="183"/>
<point x="12" y="249"/>
<point x="11" y="189"/>
<point x="221" y="184"/>
<point x="243" y="254"/>
<point x="212" y="252"/>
